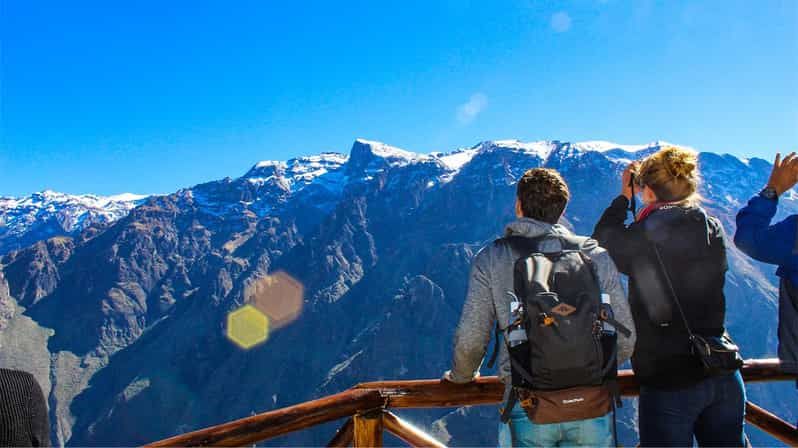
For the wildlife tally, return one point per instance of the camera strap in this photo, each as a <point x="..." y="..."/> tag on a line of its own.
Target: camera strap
<point x="633" y="199"/>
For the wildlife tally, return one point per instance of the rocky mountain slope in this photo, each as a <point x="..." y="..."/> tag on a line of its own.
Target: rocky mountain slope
<point x="124" y="324"/>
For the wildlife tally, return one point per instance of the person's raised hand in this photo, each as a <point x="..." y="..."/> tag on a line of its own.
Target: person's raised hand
<point x="785" y="173"/>
<point x="627" y="189"/>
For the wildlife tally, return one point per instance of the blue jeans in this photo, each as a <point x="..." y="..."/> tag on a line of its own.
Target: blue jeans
<point x="592" y="432"/>
<point x="712" y="410"/>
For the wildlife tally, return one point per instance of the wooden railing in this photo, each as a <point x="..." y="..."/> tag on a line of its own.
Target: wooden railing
<point x="366" y="408"/>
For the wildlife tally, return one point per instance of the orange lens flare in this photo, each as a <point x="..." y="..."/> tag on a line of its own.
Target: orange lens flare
<point x="279" y="296"/>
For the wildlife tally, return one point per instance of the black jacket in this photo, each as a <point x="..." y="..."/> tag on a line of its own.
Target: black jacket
<point x="693" y="251"/>
<point x="23" y="410"/>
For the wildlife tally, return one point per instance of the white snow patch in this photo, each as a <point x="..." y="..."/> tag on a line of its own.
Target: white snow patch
<point x="540" y="148"/>
<point x="127" y="197"/>
<point x="270" y="163"/>
<point x="298" y="173"/>
<point x="73" y="212"/>
<point x="259" y="180"/>
<point x="391" y="152"/>
<point x="340" y="367"/>
<point x="136" y="387"/>
<point x="604" y="146"/>
<point x="457" y="159"/>
<point x="732" y="200"/>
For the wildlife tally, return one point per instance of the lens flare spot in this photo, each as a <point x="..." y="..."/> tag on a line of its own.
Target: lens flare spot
<point x="279" y="296"/>
<point x="247" y="327"/>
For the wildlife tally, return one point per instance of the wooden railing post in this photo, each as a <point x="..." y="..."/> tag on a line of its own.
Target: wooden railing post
<point x="344" y="436"/>
<point x="368" y="429"/>
<point x="409" y="433"/>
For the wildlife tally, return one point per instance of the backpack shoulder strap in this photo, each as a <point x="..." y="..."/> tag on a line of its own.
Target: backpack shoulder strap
<point x="496" y="344"/>
<point x="575" y="242"/>
<point x="521" y="244"/>
<point x="581" y="244"/>
<point x="524" y="246"/>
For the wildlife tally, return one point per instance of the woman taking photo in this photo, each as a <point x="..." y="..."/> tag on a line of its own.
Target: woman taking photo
<point x="675" y="258"/>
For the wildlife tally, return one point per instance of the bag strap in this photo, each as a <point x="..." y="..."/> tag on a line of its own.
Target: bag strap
<point x="670" y="287"/>
<point x="613" y="364"/>
<point x="496" y="346"/>
<point x="615" y="422"/>
<point x="504" y="412"/>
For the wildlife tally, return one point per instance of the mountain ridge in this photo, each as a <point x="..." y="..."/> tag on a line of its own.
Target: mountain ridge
<point x="126" y="320"/>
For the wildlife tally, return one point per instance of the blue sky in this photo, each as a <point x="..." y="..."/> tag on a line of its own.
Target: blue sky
<point x="148" y="97"/>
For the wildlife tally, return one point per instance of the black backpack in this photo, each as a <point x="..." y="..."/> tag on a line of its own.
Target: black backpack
<point x="563" y="316"/>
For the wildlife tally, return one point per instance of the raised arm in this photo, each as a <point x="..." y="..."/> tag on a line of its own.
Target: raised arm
<point x="760" y="240"/>
<point x="611" y="231"/>
<point x="755" y="236"/>
<point x="613" y="235"/>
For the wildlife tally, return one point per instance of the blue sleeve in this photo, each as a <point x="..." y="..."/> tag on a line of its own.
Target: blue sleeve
<point x="758" y="239"/>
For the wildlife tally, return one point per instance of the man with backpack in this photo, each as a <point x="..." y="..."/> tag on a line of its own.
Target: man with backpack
<point x="776" y="244"/>
<point x="556" y="301"/>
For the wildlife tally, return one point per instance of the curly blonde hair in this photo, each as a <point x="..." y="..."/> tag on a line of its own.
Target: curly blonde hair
<point x="672" y="173"/>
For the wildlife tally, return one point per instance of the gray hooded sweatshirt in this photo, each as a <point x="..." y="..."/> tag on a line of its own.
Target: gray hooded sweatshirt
<point x="487" y="299"/>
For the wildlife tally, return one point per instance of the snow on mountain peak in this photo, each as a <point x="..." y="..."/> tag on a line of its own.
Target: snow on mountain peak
<point x="126" y="197"/>
<point x="604" y="146"/>
<point x="52" y="200"/>
<point x="540" y="148"/>
<point x="269" y="164"/>
<point x="380" y="149"/>
<point x="296" y="173"/>
<point x="304" y="170"/>
<point x="457" y="159"/>
<point x="71" y="213"/>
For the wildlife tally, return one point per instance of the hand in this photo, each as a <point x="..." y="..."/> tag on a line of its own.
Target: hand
<point x="785" y="173"/>
<point x="626" y="189"/>
<point x="447" y="377"/>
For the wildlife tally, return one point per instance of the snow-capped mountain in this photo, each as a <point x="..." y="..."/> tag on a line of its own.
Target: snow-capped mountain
<point x="124" y="326"/>
<point x="43" y="215"/>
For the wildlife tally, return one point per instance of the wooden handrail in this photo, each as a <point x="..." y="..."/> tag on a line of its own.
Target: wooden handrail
<point x="249" y="430"/>
<point x="762" y="370"/>
<point x="489" y="390"/>
<point x="408" y="394"/>
<point x="437" y="393"/>
<point x="771" y="424"/>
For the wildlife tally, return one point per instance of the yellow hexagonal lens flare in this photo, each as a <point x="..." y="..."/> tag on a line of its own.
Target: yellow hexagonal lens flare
<point x="247" y="327"/>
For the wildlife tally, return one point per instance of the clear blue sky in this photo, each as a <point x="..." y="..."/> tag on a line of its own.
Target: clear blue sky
<point x="151" y="96"/>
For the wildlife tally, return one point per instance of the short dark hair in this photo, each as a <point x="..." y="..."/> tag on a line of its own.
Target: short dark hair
<point x="543" y="194"/>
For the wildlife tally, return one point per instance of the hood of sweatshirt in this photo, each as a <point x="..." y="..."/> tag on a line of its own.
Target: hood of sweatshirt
<point x="531" y="228"/>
